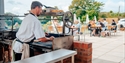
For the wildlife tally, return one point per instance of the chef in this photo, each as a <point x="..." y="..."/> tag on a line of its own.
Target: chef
<point x="29" y="30"/>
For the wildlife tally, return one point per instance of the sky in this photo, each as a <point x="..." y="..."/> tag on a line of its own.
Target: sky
<point x="19" y="7"/>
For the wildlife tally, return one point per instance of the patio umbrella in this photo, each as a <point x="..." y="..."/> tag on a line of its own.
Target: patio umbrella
<point x="95" y="19"/>
<point x="75" y="17"/>
<point x="87" y="18"/>
<point x="79" y="19"/>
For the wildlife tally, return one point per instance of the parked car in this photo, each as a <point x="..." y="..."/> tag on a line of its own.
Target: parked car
<point x="121" y="22"/>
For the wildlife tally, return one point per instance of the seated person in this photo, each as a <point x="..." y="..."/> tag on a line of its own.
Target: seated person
<point x="96" y="29"/>
<point x="93" y="26"/>
<point x="89" y="26"/>
<point x="102" y="26"/>
<point x="105" y="24"/>
<point x="76" y="27"/>
<point x="114" y="26"/>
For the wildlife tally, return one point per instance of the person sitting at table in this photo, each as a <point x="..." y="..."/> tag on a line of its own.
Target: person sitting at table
<point x="114" y="26"/>
<point x="97" y="29"/>
<point x="89" y="26"/>
<point x="105" y="23"/>
<point x="103" y="29"/>
<point x="102" y="26"/>
<point x="77" y="26"/>
<point x="93" y="26"/>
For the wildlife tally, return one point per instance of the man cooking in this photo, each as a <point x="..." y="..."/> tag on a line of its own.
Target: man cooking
<point x="29" y="30"/>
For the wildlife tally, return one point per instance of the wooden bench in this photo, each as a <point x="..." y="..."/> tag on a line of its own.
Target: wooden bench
<point x="50" y="57"/>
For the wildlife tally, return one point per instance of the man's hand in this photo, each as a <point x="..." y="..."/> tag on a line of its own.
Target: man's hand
<point x="45" y="39"/>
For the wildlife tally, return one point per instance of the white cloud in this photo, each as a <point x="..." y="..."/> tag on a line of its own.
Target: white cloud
<point x="12" y="2"/>
<point x="15" y="9"/>
<point x="22" y="6"/>
<point x="6" y="10"/>
<point x="65" y="8"/>
<point x="111" y="5"/>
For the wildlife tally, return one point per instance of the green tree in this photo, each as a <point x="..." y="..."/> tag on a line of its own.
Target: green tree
<point x="44" y="19"/>
<point x="123" y="15"/>
<point x="111" y="14"/>
<point x="102" y="15"/>
<point x="83" y="7"/>
<point x="9" y="19"/>
<point x="111" y="11"/>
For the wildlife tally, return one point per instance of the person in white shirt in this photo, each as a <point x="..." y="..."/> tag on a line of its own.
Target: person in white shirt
<point x="30" y="28"/>
<point x="105" y="24"/>
<point x="76" y="27"/>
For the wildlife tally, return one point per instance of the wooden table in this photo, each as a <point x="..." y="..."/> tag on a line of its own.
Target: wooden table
<point x="50" y="57"/>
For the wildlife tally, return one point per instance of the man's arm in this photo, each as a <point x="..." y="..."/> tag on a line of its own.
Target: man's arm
<point x="45" y="39"/>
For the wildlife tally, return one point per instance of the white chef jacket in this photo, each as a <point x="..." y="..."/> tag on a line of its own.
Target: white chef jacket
<point x="30" y="28"/>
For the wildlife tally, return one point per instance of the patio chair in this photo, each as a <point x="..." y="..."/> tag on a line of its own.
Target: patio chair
<point x="109" y="28"/>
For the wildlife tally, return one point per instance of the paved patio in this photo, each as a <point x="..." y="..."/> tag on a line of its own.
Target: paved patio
<point x="107" y="49"/>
